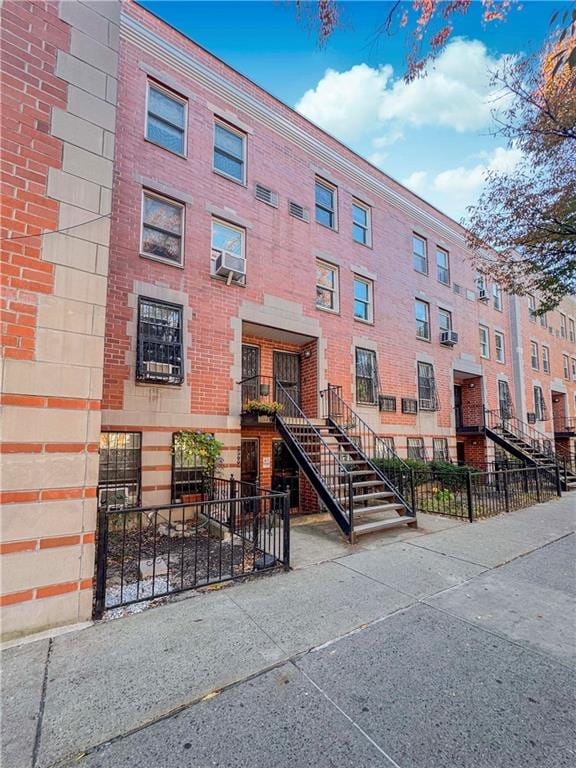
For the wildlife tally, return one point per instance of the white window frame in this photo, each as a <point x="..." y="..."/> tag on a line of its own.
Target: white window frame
<point x="497" y="297"/>
<point x="439" y="249"/>
<point x="484" y="337"/>
<point x="368" y="228"/>
<point x="566" y="366"/>
<point x="534" y="355"/>
<point x="499" y="348"/>
<point x="218" y="122"/>
<point x="427" y="306"/>
<point x="531" y="308"/>
<point x="229" y="225"/>
<point x="426" y="270"/>
<point x="545" y="359"/>
<point x="444" y="313"/>
<point x="320" y="182"/>
<point x="334" y="268"/>
<point x="170" y="201"/>
<point x="369" y="304"/>
<point x="175" y="97"/>
<point x="571" y="330"/>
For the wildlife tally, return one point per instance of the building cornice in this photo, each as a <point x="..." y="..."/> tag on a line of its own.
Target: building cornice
<point x="149" y="41"/>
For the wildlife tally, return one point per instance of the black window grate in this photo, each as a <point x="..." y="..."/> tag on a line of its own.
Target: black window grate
<point x="416" y="450"/>
<point x="119" y="475"/>
<point x="409" y="405"/>
<point x="428" y="399"/>
<point x="387" y="403"/>
<point x="366" y="376"/>
<point x="159" y="357"/>
<point x="440" y="449"/>
<point x="187" y="473"/>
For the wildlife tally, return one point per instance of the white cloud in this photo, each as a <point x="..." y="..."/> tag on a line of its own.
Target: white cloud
<point x="456" y="93"/>
<point x="455" y="188"/>
<point x="346" y="103"/>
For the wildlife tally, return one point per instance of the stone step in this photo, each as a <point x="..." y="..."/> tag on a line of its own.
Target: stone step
<point x="379" y="508"/>
<point x="380" y="525"/>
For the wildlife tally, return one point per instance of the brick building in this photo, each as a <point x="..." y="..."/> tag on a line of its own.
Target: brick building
<point x="243" y="244"/>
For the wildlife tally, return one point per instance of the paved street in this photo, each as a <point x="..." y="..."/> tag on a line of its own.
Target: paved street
<point x="452" y="645"/>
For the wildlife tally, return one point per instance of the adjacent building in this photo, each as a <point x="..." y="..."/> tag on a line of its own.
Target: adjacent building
<point x="215" y="243"/>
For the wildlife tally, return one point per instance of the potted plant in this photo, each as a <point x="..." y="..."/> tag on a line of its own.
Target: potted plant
<point x="198" y="449"/>
<point x="259" y="408"/>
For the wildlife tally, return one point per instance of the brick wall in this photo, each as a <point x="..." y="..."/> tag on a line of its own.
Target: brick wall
<point x="58" y="121"/>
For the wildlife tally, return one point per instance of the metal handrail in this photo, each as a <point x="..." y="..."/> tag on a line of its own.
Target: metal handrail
<point x="530" y="435"/>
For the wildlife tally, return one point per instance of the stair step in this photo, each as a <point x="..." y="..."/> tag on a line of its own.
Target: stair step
<point x="379" y="508"/>
<point x="374" y="495"/>
<point x="355" y="472"/>
<point x="380" y="525"/>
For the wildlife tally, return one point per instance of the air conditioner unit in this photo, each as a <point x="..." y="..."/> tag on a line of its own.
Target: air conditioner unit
<point x="483" y="295"/>
<point x="163" y="369"/>
<point x="230" y="265"/>
<point x="448" y="338"/>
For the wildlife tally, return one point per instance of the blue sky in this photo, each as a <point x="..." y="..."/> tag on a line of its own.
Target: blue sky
<point x="433" y="134"/>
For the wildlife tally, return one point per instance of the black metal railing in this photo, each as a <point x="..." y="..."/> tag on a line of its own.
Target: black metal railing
<point x="565" y="425"/>
<point x="261" y="395"/>
<point x="471" y="494"/>
<point x="505" y="424"/>
<point x="235" y="530"/>
<point x="396" y="474"/>
<point x="329" y="475"/>
<point x="469" y="418"/>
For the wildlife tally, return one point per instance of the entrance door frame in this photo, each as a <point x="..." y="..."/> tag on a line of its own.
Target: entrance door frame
<point x="256" y="440"/>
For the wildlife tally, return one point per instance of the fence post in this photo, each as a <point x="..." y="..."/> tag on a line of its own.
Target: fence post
<point x="101" y="564"/>
<point x="506" y="497"/>
<point x="537" y="484"/>
<point x="232" y="504"/>
<point x="413" y="490"/>
<point x="286" y="528"/>
<point x="469" y="495"/>
<point x="558" y="483"/>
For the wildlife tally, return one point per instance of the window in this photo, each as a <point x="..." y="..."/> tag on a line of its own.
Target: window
<point x="499" y="346"/>
<point x="505" y="404"/>
<point x="480" y="284"/>
<point x="227" y="238"/>
<point x="573" y="369"/>
<point x="162" y="227"/>
<point x="119" y="470"/>
<point x="159" y="354"/>
<point x="442" y="266"/>
<point x="566" y="364"/>
<point x="409" y="405"/>
<point x="366" y="376"/>
<point x="419" y="254"/>
<point x="531" y="308"/>
<point x="562" y="325"/>
<point x="187" y="472"/>
<point x="363" y="292"/>
<point x="166" y="119"/>
<point x="484" y="342"/>
<point x="229" y="152"/>
<point x="534" y="356"/>
<point x="427" y="392"/>
<point x="422" y="320"/>
<point x="326" y="286"/>
<point x="385" y="448"/>
<point x="497" y="296"/>
<point x="540" y="405"/>
<point x="416" y="450"/>
<point x="445" y="320"/>
<point x="545" y="359"/>
<point x="440" y="449"/>
<point x="361" y="223"/>
<point x="543" y="321"/>
<point x="325" y="204"/>
<point x="572" y="332"/>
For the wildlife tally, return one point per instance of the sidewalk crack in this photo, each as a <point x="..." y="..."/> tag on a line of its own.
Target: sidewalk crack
<point x="38" y="736"/>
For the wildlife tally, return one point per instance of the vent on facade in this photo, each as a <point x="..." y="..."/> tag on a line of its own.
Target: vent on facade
<point x="483" y="295"/>
<point x="387" y="403"/>
<point x="448" y="338"/>
<point x="298" y="211"/>
<point x="409" y="405"/>
<point x="531" y="418"/>
<point x="457" y="288"/>
<point x="266" y="195"/>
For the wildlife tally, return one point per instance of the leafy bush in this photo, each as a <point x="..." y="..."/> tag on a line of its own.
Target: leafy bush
<point x="450" y="476"/>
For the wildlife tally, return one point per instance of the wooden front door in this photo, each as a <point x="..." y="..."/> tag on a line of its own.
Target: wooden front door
<point x="286" y="369"/>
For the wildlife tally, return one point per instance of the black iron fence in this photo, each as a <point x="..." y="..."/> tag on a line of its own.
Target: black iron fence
<point x="471" y="494"/>
<point x="266" y="396"/>
<point x="234" y="529"/>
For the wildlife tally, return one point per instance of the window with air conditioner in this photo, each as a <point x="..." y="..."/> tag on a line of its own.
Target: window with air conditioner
<point x="482" y="288"/>
<point x="427" y="391"/>
<point x="119" y="470"/>
<point x="327" y="291"/>
<point x="366" y="376"/>
<point x="159" y="344"/>
<point x="228" y="259"/>
<point x="229" y="157"/>
<point x="166" y="119"/>
<point x="448" y="337"/>
<point x="162" y="229"/>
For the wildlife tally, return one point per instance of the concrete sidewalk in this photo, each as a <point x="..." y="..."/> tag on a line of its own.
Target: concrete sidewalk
<point x="443" y="612"/>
